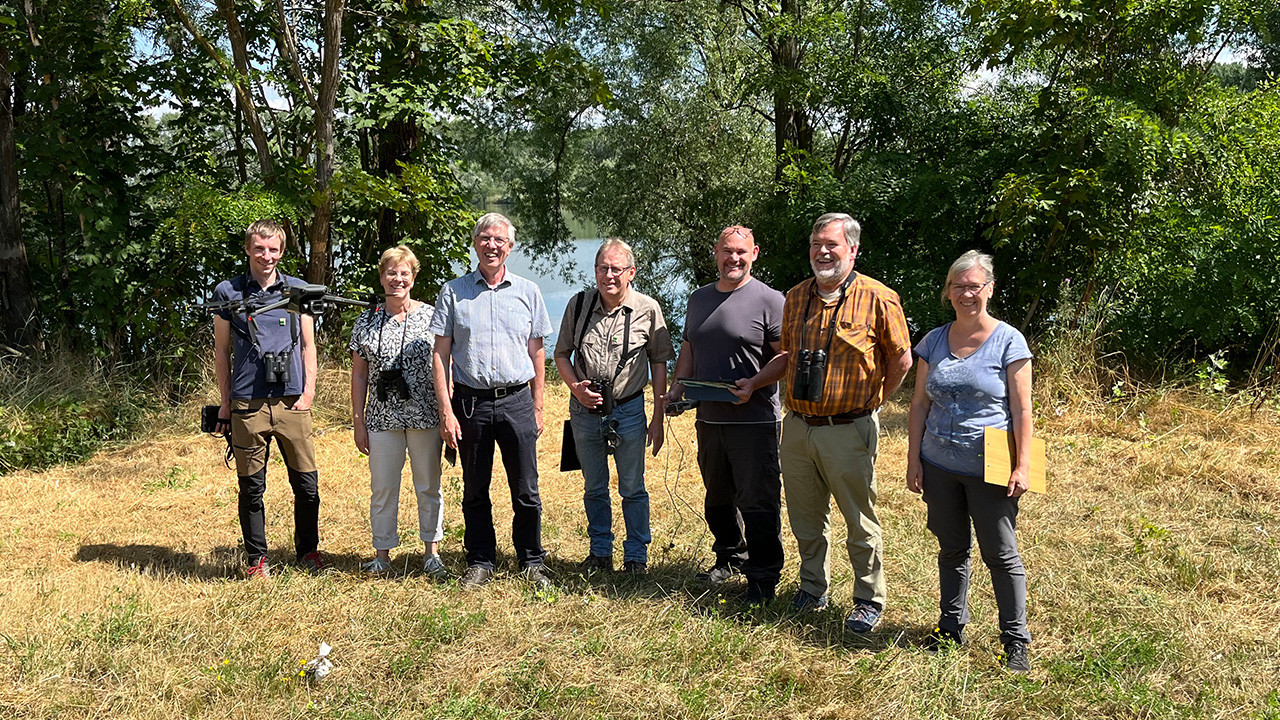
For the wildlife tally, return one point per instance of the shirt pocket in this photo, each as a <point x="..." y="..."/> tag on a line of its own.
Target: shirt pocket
<point x="858" y="336"/>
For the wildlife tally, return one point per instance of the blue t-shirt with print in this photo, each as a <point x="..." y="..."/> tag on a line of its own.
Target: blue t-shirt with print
<point x="968" y="394"/>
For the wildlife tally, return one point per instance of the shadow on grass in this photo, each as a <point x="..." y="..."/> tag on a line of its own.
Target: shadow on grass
<point x="223" y="563"/>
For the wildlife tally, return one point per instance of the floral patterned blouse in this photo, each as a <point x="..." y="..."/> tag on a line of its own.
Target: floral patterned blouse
<point x="386" y="343"/>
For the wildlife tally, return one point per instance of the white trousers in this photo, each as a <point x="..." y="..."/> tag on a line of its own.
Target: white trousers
<point x="386" y="462"/>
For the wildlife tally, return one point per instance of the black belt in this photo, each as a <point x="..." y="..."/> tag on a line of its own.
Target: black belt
<point x="488" y="393"/>
<point x="629" y="398"/>
<point x="841" y="419"/>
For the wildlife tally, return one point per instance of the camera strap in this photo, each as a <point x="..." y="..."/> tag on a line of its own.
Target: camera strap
<point x="831" y="327"/>
<point x="627" y="351"/>
<point x="251" y="321"/>
<point x="404" y="335"/>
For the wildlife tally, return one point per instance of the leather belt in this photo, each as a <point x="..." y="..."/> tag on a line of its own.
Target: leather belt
<point x="489" y="393"/>
<point x="841" y="419"/>
<point x="629" y="398"/>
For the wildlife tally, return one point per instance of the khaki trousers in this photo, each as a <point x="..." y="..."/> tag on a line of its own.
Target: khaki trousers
<point x="838" y="461"/>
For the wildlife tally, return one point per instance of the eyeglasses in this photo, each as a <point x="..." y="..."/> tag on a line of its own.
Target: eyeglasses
<point x="965" y="289"/>
<point x="611" y="270"/>
<point x="491" y="240"/>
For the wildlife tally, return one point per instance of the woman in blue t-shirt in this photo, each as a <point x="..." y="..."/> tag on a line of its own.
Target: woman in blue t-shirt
<point x="973" y="373"/>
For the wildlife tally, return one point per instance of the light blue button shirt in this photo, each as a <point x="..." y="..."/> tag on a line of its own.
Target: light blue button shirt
<point x="491" y="328"/>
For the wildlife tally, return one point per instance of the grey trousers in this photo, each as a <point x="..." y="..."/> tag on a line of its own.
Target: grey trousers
<point x="953" y="501"/>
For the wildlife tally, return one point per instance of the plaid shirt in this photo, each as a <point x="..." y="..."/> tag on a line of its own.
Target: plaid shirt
<point x="870" y="331"/>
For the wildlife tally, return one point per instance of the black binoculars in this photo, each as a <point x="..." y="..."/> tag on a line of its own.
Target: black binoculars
<point x="276" y="366"/>
<point x="611" y="437"/>
<point x="811" y="376"/>
<point x="391" y="382"/>
<point x="605" y="389"/>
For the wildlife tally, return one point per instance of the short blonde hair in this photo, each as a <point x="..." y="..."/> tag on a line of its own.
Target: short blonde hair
<point x="264" y="228"/>
<point x="964" y="263"/>
<point x="397" y="255"/>
<point x="616" y="244"/>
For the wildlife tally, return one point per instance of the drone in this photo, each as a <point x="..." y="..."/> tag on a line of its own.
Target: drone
<point x="312" y="300"/>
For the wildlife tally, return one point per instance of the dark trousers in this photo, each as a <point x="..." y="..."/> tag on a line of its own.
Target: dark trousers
<point x="953" y="501"/>
<point x="510" y="424"/>
<point x="306" y="512"/>
<point x="741" y="474"/>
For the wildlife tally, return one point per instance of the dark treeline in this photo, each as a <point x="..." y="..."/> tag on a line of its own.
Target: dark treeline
<point x="1120" y="160"/>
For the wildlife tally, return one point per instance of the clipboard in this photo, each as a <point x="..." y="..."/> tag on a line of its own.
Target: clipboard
<point x="708" y="390"/>
<point x="999" y="452"/>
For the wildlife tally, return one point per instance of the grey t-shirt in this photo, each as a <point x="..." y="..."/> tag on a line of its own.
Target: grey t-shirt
<point x="968" y="395"/>
<point x="729" y="335"/>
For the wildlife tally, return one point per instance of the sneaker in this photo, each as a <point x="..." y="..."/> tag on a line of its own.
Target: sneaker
<point x="259" y="569"/>
<point x="1015" y="657"/>
<point x="313" y="562"/>
<point x="940" y="638"/>
<point x="475" y="576"/>
<point x="719" y="574"/>
<point x="864" y="618"/>
<point x="376" y="566"/>
<point x="635" y="567"/>
<point x="596" y="563"/>
<point x="537" y="574"/>
<point x="758" y="594"/>
<point x="808" y="602"/>
<point x="433" y="567"/>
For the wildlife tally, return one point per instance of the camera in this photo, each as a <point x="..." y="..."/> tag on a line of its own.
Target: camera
<point x="678" y="407"/>
<point x="276" y="366"/>
<point x="209" y="418"/>
<point x="811" y="375"/>
<point x="605" y="389"/>
<point x="391" y="382"/>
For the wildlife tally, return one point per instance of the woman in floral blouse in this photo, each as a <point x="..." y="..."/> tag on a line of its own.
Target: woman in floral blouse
<point x="393" y="403"/>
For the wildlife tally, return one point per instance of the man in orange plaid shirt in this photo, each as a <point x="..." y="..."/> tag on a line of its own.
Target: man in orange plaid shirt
<point x="848" y="349"/>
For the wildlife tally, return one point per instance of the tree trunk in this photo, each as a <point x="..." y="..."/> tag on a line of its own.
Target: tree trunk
<point x="396" y="144"/>
<point x="791" y="130"/>
<point x="318" y="267"/>
<point x="17" y="296"/>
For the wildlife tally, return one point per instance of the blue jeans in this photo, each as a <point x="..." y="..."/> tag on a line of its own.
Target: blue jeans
<point x="589" y="436"/>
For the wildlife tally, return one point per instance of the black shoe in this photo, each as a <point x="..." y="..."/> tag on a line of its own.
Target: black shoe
<point x="475" y="576"/>
<point x="635" y="567"/>
<point x="758" y="594"/>
<point x="537" y="574"/>
<point x="940" y="638"/>
<point x="595" y="563"/>
<point x="808" y="602"/>
<point x="1015" y="657"/>
<point x="719" y="574"/>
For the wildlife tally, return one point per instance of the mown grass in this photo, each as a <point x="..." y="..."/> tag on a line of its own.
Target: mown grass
<point x="1153" y="570"/>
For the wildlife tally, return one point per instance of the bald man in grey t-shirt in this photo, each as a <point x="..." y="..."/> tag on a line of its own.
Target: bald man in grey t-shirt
<point x="733" y="329"/>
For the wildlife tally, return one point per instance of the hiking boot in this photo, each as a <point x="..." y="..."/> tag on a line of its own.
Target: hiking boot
<point x="758" y="594"/>
<point x="596" y="563"/>
<point x="537" y="574"/>
<point x="1015" y="657"/>
<point x="313" y="562"/>
<point x="807" y="602"/>
<point x="475" y="576"/>
<point x="864" y="618"/>
<point x="259" y="569"/>
<point x="635" y="567"/>
<point x="719" y="574"/>
<point x="941" y="638"/>
<point x="433" y="567"/>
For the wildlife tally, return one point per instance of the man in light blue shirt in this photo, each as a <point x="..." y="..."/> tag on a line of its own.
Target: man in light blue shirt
<point x="489" y="370"/>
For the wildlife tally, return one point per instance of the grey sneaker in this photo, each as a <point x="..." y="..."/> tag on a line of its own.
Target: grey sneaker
<point x="808" y="602"/>
<point x="596" y="563"/>
<point x="635" y="567"/>
<point x="475" y="576"/>
<point x="1015" y="658"/>
<point x="537" y="574"/>
<point x="719" y="574"/>
<point x="864" y="617"/>
<point x="433" y="567"/>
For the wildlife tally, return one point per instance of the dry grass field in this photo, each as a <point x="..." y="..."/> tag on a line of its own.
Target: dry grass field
<point x="1154" y="583"/>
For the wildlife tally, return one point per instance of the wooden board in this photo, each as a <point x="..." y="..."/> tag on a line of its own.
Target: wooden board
<point x="999" y="452"/>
